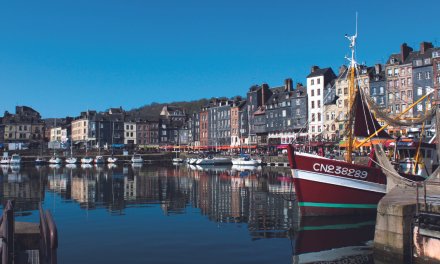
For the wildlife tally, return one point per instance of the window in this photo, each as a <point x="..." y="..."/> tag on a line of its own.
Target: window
<point x="333" y="115"/>
<point x="402" y="95"/>
<point x="390" y="97"/>
<point x="390" y="72"/>
<point x="340" y="103"/>
<point x="428" y="89"/>
<point x="419" y="91"/>
<point x="250" y="98"/>
<point x="298" y="111"/>
<point x="381" y="99"/>
<point x="139" y="134"/>
<point x="319" y="103"/>
<point x="312" y="82"/>
<point x="340" y="116"/>
<point x="437" y="66"/>
<point x="313" y="104"/>
<point x="419" y="76"/>
<point x="319" y="128"/>
<point x="417" y="63"/>
<point x="403" y="107"/>
<point x="396" y="96"/>
<point x="339" y="91"/>
<point x="345" y="102"/>
<point x="327" y="117"/>
<point x="409" y="94"/>
<point x="402" y="82"/>
<point x="313" y="117"/>
<point x="318" y="91"/>
<point x="438" y="79"/>
<point x="419" y="107"/>
<point x="319" y="117"/>
<point x="313" y="129"/>
<point x="381" y="90"/>
<point x="428" y="75"/>
<point x="390" y="107"/>
<point x="373" y="90"/>
<point x="396" y="71"/>
<point x="427" y="61"/>
<point x="318" y="81"/>
<point x="408" y="71"/>
<point x="390" y="84"/>
<point x="396" y="83"/>
<point x="409" y="81"/>
<point x="402" y="71"/>
<point x="313" y="93"/>
<point x="397" y="108"/>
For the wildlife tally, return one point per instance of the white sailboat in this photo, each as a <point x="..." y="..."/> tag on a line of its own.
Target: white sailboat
<point x="55" y="159"/>
<point x="177" y="159"/>
<point x="112" y="159"/>
<point x="99" y="159"/>
<point x="87" y="159"/>
<point x="246" y="159"/>
<point x="71" y="159"/>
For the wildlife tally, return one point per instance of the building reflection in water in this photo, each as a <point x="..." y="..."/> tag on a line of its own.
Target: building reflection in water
<point x="259" y="197"/>
<point x="263" y="198"/>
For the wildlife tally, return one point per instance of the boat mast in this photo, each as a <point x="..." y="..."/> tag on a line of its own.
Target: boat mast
<point x="352" y="71"/>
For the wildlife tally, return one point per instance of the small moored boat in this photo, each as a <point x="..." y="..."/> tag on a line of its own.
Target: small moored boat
<point x="15" y="159"/>
<point x="5" y="160"/>
<point x="137" y="158"/>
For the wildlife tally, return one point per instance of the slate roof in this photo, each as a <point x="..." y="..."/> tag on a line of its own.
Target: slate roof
<point x="397" y="59"/>
<point x="319" y="72"/>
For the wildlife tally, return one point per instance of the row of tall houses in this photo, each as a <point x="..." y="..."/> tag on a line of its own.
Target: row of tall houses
<point x="266" y="116"/>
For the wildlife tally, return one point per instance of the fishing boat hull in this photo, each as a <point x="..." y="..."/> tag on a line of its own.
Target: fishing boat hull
<point x="329" y="187"/>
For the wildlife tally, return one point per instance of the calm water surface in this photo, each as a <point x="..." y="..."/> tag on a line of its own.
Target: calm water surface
<point x="180" y="214"/>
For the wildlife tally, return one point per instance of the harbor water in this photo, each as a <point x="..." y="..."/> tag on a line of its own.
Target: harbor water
<point x="181" y="214"/>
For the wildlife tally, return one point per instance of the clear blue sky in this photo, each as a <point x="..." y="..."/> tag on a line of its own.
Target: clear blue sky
<point x="62" y="57"/>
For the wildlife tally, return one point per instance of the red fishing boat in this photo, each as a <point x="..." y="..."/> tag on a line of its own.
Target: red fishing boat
<point x="331" y="187"/>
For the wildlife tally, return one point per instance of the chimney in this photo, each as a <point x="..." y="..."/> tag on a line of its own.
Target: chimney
<point x="424" y="46"/>
<point x="404" y="51"/>
<point x="288" y="85"/>
<point x="298" y="85"/>
<point x="264" y="89"/>
<point x="378" y="67"/>
<point x="342" y="69"/>
<point x="314" y="68"/>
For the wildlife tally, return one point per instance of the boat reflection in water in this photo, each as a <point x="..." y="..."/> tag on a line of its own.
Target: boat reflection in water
<point x="342" y="239"/>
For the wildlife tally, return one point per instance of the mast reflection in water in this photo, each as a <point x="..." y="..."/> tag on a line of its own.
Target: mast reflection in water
<point x="137" y="213"/>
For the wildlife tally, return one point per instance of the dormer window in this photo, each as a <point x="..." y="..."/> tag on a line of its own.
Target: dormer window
<point x="392" y="60"/>
<point x="364" y="71"/>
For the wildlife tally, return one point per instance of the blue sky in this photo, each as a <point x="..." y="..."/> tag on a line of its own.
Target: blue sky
<point x="62" y="57"/>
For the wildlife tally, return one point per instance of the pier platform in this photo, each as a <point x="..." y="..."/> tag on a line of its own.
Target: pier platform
<point x="402" y="231"/>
